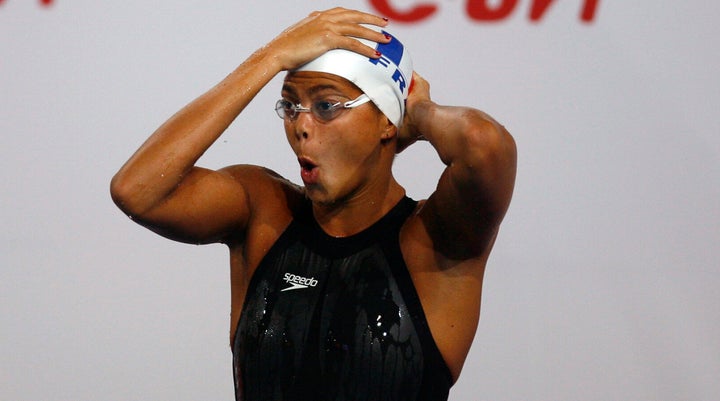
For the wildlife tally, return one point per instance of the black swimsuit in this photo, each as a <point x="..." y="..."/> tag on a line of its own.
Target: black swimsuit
<point x="331" y="319"/>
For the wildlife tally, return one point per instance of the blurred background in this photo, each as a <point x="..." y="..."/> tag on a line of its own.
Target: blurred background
<point x="603" y="284"/>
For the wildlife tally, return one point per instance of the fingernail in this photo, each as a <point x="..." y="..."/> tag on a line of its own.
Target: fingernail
<point x="385" y="19"/>
<point x="388" y="37"/>
<point x="377" y="53"/>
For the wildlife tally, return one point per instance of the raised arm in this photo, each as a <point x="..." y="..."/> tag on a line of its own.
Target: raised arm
<point x="160" y="186"/>
<point x="474" y="191"/>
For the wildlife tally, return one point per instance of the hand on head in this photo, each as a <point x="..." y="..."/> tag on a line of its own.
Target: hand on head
<point x="409" y="133"/>
<point x="321" y="31"/>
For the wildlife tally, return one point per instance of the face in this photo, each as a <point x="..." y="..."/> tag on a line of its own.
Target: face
<point x="343" y="157"/>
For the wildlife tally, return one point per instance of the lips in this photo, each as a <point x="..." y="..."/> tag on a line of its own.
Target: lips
<point x="308" y="170"/>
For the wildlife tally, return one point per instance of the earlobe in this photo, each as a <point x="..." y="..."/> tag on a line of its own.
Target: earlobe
<point x="390" y="130"/>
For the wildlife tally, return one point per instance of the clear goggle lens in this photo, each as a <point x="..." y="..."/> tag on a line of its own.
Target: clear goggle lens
<point x="322" y="110"/>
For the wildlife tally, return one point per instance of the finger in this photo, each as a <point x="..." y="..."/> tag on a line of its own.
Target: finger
<point x="358" y="17"/>
<point x="354" y="45"/>
<point x="346" y="37"/>
<point x="364" y="32"/>
<point x="349" y="20"/>
<point x="338" y="28"/>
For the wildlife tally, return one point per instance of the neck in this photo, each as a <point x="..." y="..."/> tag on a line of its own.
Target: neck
<point x="350" y="216"/>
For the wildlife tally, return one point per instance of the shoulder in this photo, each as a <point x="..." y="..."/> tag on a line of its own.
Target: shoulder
<point x="270" y="198"/>
<point x="246" y="172"/>
<point x="261" y="181"/>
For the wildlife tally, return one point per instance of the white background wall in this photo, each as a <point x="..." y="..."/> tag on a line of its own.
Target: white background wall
<point x="604" y="281"/>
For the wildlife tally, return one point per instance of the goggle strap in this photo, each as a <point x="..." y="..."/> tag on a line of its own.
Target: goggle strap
<point x="362" y="99"/>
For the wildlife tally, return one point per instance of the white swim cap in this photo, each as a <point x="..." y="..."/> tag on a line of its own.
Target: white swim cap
<point x="386" y="80"/>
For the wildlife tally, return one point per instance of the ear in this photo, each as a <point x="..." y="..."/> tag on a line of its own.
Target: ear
<point x="389" y="130"/>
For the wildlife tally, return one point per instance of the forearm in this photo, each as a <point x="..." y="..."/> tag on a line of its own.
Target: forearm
<point x="170" y="153"/>
<point x="479" y="153"/>
<point x="459" y="134"/>
<point x="168" y="156"/>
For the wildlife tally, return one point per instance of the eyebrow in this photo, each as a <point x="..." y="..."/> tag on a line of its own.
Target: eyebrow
<point x="313" y="90"/>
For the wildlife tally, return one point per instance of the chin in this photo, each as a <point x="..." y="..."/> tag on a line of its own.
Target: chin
<point x="315" y="194"/>
<point x="320" y="197"/>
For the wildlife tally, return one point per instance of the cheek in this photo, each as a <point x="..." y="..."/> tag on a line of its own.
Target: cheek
<point x="349" y="157"/>
<point x="289" y="130"/>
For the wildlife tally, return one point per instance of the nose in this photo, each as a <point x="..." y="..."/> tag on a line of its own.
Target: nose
<point x="303" y="125"/>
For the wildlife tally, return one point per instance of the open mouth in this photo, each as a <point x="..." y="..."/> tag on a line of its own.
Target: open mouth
<point x="308" y="171"/>
<point x="306" y="164"/>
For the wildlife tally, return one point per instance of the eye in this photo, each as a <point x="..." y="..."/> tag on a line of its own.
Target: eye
<point x="285" y="109"/>
<point x="325" y="109"/>
<point x="285" y="104"/>
<point x="324" y="106"/>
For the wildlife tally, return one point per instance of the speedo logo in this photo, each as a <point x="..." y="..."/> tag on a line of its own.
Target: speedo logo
<point x="298" y="282"/>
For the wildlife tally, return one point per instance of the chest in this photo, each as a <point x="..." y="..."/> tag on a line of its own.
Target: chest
<point x="316" y="320"/>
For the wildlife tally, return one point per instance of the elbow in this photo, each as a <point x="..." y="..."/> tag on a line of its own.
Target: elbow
<point x="119" y="192"/>
<point x="124" y="194"/>
<point x="506" y="148"/>
<point x="489" y="142"/>
<point x="490" y="163"/>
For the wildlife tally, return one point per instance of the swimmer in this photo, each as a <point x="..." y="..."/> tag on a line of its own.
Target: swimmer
<point x="343" y="288"/>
